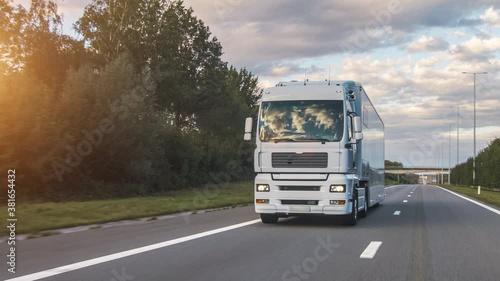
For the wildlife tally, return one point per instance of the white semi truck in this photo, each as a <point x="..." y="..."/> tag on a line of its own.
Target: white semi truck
<point x="320" y="151"/>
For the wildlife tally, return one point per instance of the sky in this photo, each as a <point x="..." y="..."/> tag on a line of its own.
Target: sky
<point x="409" y="56"/>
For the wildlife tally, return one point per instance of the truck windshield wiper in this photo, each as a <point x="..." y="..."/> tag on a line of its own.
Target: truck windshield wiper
<point x="313" y="139"/>
<point x="282" y="140"/>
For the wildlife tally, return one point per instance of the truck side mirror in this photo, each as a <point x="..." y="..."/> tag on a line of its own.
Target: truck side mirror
<point x="358" y="135"/>
<point x="248" y="129"/>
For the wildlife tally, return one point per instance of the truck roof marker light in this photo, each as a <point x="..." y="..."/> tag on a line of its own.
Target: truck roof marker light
<point x="329" y="74"/>
<point x="351" y="95"/>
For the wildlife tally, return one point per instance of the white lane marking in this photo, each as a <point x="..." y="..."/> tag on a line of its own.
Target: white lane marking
<point x="87" y="263"/>
<point x="371" y="250"/>
<point x="411" y="192"/>
<point x="408" y="195"/>
<point x="404" y="201"/>
<point x="473" y="201"/>
<point x="397" y="213"/>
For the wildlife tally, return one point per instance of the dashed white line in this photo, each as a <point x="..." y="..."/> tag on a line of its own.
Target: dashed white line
<point x="404" y="201"/>
<point x="371" y="250"/>
<point x="408" y="195"/>
<point x="397" y="213"/>
<point x="87" y="263"/>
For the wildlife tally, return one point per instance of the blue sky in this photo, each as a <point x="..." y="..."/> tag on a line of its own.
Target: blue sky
<point x="409" y="55"/>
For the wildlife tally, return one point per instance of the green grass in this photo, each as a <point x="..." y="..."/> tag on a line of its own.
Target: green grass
<point x="488" y="197"/>
<point x="389" y="182"/>
<point x="35" y="218"/>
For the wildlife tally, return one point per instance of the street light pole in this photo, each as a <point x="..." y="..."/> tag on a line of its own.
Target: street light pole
<point x="449" y="152"/>
<point x="442" y="160"/>
<point x="474" y="156"/>
<point x="458" y="140"/>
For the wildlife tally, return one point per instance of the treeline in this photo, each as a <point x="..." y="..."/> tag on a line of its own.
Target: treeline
<point x="140" y="102"/>
<point x="400" y="179"/>
<point x="487" y="168"/>
<point x="393" y="164"/>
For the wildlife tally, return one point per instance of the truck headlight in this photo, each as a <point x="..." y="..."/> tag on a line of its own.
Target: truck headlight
<point x="337" y="188"/>
<point x="262" y="187"/>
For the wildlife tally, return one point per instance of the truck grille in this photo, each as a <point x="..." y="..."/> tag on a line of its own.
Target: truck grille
<point x="304" y="160"/>
<point x="299" y="202"/>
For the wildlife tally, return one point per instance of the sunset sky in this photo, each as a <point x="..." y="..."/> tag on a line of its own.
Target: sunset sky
<point x="409" y="55"/>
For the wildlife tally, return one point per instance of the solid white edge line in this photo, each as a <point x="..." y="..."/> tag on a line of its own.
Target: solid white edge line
<point x="371" y="250"/>
<point x="87" y="263"/>
<point x="397" y="213"/>
<point x="473" y="201"/>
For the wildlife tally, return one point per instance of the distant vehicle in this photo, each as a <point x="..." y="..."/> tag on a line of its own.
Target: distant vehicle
<point x="320" y="151"/>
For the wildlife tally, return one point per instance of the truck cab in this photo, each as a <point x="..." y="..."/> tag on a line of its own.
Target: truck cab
<point x="320" y="151"/>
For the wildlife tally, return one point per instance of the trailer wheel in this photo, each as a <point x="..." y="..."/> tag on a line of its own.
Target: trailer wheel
<point x="352" y="218"/>
<point x="269" y="218"/>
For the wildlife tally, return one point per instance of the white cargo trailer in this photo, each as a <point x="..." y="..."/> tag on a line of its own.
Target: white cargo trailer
<point x="320" y="151"/>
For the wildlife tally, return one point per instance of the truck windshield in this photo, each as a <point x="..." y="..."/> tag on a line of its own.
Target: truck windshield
<point x="301" y="121"/>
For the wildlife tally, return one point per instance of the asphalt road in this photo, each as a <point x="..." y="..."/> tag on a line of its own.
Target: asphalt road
<point x="435" y="235"/>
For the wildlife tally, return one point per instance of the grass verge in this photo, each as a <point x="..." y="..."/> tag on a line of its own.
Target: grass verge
<point x="39" y="217"/>
<point x="488" y="197"/>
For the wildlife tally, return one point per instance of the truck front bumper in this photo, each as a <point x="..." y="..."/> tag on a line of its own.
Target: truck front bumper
<point x="319" y="201"/>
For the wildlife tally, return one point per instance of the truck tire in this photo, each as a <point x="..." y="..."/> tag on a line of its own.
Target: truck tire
<point x="352" y="218"/>
<point x="364" y="213"/>
<point x="269" y="218"/>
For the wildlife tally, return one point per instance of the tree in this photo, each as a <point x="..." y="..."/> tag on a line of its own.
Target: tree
<point x="167" y="38"/>
<point x="487" y="166"/>
<point x="108" y="123"/>
<point x="31" y="41"/>
<point x="155" y="109"/>
<point x="393" y="164"/>
<point x="30" y="133"/>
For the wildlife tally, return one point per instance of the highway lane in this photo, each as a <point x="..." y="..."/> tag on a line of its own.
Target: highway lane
<point x="434" y="236"/>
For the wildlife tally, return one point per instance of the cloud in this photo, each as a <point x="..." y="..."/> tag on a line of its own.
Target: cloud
<point x="458" y="34"/>
<point x="476" y="49"/>
<point x="379" y="43"/>
<point x="428" y="44"/>
<point x="284" y="69"/>
<point x="415" y="98"/>
<point x="491" y="17"/>
<point x="257" y="32"/>
<point x="429" y="61"/>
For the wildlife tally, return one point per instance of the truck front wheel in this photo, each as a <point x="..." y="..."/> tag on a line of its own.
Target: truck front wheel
<point x="269" y="218"/>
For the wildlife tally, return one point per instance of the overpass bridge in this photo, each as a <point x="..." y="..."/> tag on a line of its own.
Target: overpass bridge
<point x="426" y="175"/>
